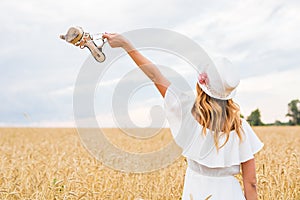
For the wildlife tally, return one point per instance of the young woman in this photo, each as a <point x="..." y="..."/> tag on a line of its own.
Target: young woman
<point x="214" y="139"/>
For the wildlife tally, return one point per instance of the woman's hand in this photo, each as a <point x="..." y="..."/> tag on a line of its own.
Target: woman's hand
<point x="117" y="40"/>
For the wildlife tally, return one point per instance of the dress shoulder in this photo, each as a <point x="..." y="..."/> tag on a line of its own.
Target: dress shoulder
<point x="235" y="151"/>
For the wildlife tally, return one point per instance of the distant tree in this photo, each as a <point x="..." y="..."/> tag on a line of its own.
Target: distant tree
<point x="278" y="123"/>
<point x="294" y="112"/>
<point x="254" y="118"/>
<point x="242" y="116"/>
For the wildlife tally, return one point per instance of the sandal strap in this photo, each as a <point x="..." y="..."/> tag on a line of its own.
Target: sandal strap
<point x="84" y="39"/>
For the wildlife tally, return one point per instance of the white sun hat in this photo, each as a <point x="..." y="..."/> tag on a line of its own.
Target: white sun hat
<point x="219" y="79"/>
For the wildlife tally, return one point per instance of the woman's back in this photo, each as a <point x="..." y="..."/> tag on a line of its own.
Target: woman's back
<point x="210" y="169"/>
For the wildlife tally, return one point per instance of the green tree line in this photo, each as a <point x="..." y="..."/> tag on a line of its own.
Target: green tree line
<point x="254" y="118"/>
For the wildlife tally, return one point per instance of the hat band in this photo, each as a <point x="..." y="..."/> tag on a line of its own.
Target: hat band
<point x="213" y="93"/>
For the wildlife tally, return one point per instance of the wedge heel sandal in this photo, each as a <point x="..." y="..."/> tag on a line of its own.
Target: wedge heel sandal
<point x="78" y="37"/>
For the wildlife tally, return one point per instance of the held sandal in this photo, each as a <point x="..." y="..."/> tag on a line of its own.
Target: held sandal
<point x="78" y="37"/>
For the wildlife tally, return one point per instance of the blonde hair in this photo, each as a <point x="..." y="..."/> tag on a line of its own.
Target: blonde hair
<point x="220" y="116"/>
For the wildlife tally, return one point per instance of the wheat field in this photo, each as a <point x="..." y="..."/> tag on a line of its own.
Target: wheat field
<point x="45" y="163"/>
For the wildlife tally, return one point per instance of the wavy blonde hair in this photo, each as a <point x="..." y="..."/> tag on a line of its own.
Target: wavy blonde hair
<point x="220" y="116"/>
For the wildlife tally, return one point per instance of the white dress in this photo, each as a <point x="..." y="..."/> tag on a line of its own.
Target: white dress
<point x="209" y="172"/>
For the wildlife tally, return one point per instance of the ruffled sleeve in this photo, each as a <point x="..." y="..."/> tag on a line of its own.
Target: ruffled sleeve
<point x="250" y="144"/>
<point x="234" y="152"/>
<point x="178" y="106"/>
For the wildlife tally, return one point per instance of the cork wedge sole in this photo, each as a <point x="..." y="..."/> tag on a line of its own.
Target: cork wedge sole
<point x="95" y="50"/>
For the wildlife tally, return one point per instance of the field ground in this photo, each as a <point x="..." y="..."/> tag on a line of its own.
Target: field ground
<point x="44" y="163"/>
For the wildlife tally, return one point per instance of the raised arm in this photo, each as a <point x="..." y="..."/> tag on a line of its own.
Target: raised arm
<point x="249" y="179"/>
<point x="117" y="40"/>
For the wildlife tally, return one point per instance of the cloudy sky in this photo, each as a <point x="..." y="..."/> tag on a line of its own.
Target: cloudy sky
<point x="39" y="71"/>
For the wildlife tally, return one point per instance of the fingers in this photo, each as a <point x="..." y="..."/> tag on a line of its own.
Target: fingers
<point x="114" y="39"/>
<point x="108" y="35"/>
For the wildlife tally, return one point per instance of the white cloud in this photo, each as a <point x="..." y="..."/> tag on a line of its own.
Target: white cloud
<point x="63" y="91"/>
<point x="270" y="93"/>
<point x="259" y="36"/>
<point x="38" y="70"/>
